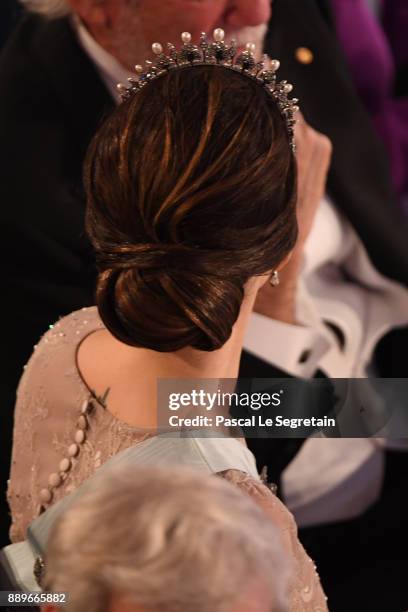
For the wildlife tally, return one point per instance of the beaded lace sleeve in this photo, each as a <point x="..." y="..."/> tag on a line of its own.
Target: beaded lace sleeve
<point x="55" y="447"/>
<point x="306" y="593"/>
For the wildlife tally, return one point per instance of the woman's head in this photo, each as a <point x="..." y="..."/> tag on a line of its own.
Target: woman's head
<point x="191" y="193"/>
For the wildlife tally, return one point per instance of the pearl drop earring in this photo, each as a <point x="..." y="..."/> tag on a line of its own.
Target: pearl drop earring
<point x="274" y="280"/>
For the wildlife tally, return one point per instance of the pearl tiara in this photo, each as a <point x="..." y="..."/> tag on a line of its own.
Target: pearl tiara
<point x="219" y="53"/>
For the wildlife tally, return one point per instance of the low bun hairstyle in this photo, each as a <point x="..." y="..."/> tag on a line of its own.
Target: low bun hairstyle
<point x="191" y="188"/>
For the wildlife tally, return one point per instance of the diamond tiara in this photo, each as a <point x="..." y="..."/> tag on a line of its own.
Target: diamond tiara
<point x="217" y="53"/>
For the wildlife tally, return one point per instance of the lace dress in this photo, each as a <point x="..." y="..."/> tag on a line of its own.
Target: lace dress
<point x="63" y="433"/>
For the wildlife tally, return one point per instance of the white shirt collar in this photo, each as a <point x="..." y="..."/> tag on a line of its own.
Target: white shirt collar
<point x="109" y="69"/>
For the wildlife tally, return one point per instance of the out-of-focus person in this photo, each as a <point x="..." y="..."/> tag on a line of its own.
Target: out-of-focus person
<point x="168" y="540"/>
<point x="340" y="490"/>
<point x="373" y="38"/>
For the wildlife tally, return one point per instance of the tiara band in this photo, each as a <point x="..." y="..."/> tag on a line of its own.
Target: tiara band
<point x="217" y="53"/>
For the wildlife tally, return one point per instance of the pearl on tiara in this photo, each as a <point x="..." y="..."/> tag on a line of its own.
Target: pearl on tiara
<point x="218" y="35"/>
<point x="186" y="38"/>
<point x="217" y="53"/>
<point x="157" y="48"/>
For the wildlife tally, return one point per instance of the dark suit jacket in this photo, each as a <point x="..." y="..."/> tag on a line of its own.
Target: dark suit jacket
<point x="51" y="102"/>
<point x="9" y="13"/>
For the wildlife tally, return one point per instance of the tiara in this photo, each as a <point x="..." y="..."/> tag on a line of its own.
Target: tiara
<point x="217" y="52"/>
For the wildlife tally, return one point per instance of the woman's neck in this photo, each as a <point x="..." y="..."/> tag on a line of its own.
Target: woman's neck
<point x="129" y="375"/>
<point x="192" y="363"/>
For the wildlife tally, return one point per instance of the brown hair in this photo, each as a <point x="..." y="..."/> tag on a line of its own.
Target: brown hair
<point x="191" y="192"/>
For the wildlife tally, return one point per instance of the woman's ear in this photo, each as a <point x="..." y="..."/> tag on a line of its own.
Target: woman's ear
<point x="265" y="278"/>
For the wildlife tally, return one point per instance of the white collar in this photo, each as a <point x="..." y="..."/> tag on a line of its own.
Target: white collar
<point x="110" y="70"/>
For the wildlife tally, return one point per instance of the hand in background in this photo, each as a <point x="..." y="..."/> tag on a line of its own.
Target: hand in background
<point x="313" y="160"/>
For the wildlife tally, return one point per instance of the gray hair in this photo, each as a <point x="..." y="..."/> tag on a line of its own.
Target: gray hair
<point x="171" y="539"/>
<point x="48" y="8"/>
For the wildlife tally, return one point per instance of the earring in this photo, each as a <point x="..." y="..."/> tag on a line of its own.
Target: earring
<point x="274" y="280"/>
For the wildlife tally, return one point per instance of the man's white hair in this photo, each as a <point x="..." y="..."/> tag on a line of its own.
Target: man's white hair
<point x="168" y="539"/>
<point x="48" y="8"/>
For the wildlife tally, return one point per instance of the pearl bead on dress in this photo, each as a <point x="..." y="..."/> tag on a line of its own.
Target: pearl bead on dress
<point x="84" y="407"/>
<point x="65" y="465"/>
<point x="79" y="436"/>
<point x="73" y="450"/>
<point x="54" y="480"/>
<point x="57" y="478"/>
<point x="82" y="422"/>
<point x="45" y="496"/>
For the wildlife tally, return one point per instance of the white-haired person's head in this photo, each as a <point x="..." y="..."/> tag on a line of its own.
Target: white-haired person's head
<point x="168" y="540"/>
<point x="48" y="8"/>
